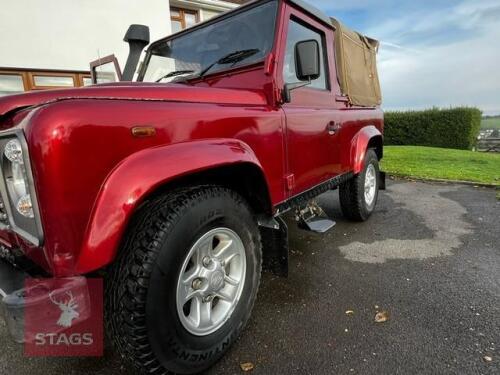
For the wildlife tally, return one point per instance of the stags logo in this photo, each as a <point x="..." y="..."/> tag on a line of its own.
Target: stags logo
<point x="68" y="310"/>
<point x="64" y="317"/>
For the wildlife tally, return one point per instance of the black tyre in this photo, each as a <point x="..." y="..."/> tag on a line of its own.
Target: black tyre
<point x="185" y="281"/>
<point x="358" y="196"/>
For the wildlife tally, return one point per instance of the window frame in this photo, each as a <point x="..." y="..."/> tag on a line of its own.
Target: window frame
<point x="276" y="40"/>
<point x="80" y="79"/>
<point x="306" y="97"/>
<point x="34" y="86"/>
<point x="16" y="73"/>
<point x="28" y="77"/>
<point x="182" y="15"/>
<point x="324" y="52"/>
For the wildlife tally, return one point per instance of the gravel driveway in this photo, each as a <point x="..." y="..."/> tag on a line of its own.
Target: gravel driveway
<point x="429" y="256"/>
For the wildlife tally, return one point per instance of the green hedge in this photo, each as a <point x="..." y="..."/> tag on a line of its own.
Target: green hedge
<point x="447" y="128"/>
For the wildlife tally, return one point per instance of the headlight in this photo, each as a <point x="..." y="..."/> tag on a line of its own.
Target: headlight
<point x="17" y="180"/>
<point x="17" y="187"/>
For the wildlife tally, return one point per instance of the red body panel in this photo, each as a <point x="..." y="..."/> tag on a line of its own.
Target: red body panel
<point x="156" y="166"/>
<point x="91" y="173"/>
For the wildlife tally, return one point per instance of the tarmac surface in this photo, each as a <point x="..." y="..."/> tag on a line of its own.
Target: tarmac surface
<point x="429" y="257"/>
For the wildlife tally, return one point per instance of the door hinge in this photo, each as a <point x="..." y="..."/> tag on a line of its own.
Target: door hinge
<point x="278" y="95"/>
<point x="290" y="181"/>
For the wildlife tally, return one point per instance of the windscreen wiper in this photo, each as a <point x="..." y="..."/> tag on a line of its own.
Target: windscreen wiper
<point x="174" y="74"/>
<point x="231" y="58"/>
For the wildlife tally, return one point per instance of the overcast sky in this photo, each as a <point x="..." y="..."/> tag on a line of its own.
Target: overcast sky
<point x="433" y="52"/>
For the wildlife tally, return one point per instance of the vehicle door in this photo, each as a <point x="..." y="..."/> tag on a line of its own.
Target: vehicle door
<point x="312" y="120"/>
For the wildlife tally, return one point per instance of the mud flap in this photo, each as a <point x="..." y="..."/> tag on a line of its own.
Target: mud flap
<point x="382" y="180"/>
<point x="275" y="247"/>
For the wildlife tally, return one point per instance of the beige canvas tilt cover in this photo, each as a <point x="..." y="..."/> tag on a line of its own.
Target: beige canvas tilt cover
<point x="356" y="57"/>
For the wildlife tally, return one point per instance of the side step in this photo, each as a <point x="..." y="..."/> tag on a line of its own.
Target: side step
<point x="313" y="218"/>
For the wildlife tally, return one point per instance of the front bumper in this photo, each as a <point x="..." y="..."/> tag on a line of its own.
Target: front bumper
<point x="11" y="280"/>
<point x="19" y="292"/>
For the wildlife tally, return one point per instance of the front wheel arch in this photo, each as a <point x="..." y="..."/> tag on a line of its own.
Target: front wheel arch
<point x="156" y="169"/>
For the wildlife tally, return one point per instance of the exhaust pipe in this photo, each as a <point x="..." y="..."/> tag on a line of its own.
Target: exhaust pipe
<point x="137" y="37"/>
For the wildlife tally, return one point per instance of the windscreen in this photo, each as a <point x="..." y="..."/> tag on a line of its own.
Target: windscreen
<point x="190" y="53"/>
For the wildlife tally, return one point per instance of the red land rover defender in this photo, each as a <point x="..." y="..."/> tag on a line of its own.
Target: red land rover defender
<point x="172" y="183"/>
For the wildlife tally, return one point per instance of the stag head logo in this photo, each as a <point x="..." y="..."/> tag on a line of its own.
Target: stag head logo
<point x="68" y="310"/>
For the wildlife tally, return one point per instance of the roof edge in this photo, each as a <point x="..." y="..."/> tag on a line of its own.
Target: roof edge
<point x="313" y="10"/>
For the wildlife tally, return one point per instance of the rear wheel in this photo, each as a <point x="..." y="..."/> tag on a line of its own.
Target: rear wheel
<point x="186" y="281"/>
<point x="359" y="195"/>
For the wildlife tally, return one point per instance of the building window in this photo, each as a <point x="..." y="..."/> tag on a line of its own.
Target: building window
<point x="14" y="81"/>
<point x="182" y="18"/>
<point x="11" y="84"/>
<point x="42" y="81"/>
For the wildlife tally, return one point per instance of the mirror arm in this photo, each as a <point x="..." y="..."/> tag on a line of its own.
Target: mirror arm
<point x="289" y="87"/>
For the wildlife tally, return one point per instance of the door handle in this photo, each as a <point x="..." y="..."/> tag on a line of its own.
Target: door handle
<point x="333" y="127"/>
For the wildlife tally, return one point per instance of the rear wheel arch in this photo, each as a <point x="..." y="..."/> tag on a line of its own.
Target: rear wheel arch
<point x="377" y="144"/>
<point x="367" y="138"/>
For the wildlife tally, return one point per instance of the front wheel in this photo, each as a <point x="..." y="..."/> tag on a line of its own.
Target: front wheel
<point x="359" y="195"/>
<point x="186" y="281"/>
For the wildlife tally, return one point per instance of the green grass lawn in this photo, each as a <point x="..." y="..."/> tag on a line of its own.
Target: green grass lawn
<point x="490" y="123"/>
<point x="440" y="163"/>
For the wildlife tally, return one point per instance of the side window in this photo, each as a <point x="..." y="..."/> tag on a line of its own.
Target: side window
<point x="297" y="33"/>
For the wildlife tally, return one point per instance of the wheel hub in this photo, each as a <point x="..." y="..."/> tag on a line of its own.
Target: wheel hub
<point x="217" y="280"/>
<point x="213" y="277"/>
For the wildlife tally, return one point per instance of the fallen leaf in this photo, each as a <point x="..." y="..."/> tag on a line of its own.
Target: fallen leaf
<point x="487" y="358"/>
<point x="247" y="366"/>
<point x="382" y="317"/>
<point x="349" y="312"/>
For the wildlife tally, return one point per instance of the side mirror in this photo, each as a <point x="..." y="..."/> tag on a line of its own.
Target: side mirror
<point x="307" y="66"/>
<point x="307" y="60"/>
<point x="137" y="37"/>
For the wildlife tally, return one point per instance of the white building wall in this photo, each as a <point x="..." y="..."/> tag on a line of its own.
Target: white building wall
<point x="68" y="34"/>
<point x="206" y="14"/>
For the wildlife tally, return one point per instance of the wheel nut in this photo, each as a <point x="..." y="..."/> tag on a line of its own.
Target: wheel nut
<point x="208" y="298"/>
<point x="197" y="284"/>
<point x="206" y="261"/>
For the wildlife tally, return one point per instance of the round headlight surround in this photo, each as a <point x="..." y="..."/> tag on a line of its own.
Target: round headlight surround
<point x="17" y="179"/>
<point x="13" y="151"/>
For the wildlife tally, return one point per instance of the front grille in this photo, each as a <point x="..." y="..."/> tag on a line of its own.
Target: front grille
<point x="4" y="218"/>
<point x="16" y="258"/>
<point x="7" y="255"/>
